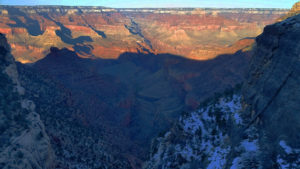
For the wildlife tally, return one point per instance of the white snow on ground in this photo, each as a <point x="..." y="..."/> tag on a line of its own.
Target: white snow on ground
<point x="286" y="148"/>
<point x="210" y="147"/>
<point x="167" y="134"/>
<point x="206" y="146"/>
<point x="186" y="152"/>
<point x="205" y="121"/>
<point x="228" y="106"/>
<point x="289" y="153"/>
<point x="193" y="123"/>
<point x="200" y="120"/>
<point x="250" y="145"/>
<point x="232" y="105"/>
<point x="218" y="158"/>
<point x="210" y="144"/>
<point x="159" y="152"/>
<point x="237" y="118"/>
<point x="204" y="114"/>
<point x="283" y="164"/>
<point x="236" y="163"/>
<point x="248" y="151"/>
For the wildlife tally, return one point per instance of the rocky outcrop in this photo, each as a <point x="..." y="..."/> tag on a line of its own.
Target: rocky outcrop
<point x="272" y="94"/>
<point x="96" y="32"/>
<point x="294" y="11"/>
<point x="24" y="142"/>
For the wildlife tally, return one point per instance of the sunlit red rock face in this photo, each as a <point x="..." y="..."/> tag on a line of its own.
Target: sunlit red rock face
<point x="294" y="11"/>
<point x="199" y="34"/>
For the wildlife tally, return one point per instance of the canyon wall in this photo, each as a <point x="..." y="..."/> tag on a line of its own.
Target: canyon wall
<point x="24" y="141"/>
<point x="97" y="32"/>
<point x="271" y="92"/>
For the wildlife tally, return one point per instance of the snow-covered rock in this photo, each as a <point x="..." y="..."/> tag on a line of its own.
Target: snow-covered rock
<point x="201" y="139"/>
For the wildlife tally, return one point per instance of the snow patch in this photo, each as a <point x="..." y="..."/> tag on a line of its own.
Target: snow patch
<point x="233" y="105"/>
<point x="283" y="164"/>
<point x="237" y="118"/>
<point x="186" y="152"/>
<point x="286" y="148"/>
<point x="210" y="144"/>
<point x="250" y="145"/>
<point x="193" y="123"/>
<point x="236" y="163"/>
<point x="218" y="158"/>
<point x="205" y="115"/>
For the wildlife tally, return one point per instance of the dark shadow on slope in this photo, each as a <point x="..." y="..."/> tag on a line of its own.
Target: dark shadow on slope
<point x="32" y="26"/>
<point x="65" y="35"/>
<point x="83" y="49"/>
<point x="101" y="33"/>
<point x="135" y="29"/>
<point x="140" y="94"/>
<point x="67" y="130"/>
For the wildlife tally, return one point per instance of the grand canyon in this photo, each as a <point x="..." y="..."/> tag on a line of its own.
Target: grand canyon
<point x="95" y="32"/>
<point x="132" y="87"/>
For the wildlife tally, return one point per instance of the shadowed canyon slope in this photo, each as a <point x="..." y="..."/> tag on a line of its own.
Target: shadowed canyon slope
<point x="24" y="142"/>
<point x="40" y="125"/>
<point x="199" y="34"/>
<point x="139" y="95"/>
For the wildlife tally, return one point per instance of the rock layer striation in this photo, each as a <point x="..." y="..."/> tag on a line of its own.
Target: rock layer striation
<point x="97" y="32"/>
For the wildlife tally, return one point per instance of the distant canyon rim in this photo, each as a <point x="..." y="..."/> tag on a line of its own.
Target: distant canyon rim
<point x="98" y="32"/>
